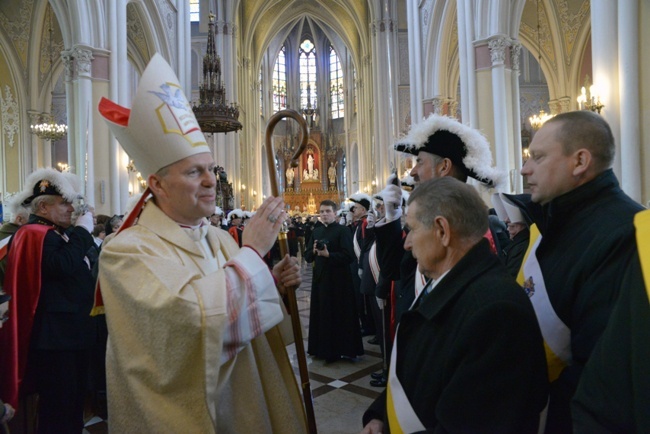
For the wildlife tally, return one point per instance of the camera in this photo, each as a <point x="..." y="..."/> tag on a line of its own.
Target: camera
<point x="320" y="244"/>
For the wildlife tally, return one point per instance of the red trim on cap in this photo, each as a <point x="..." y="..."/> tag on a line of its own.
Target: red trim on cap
<point x="114" y="112"/>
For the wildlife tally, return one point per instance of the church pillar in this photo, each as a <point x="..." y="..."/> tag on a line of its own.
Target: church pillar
<point x="605" y="59"/>
<point x="415" y="60"/>
<point x="384" y="41"/>
<point x="502" y="124"/>
<point x="467" y="59"/>
<point x="78" y="61"/>
<point x="628" y="87"/>
<point x="517" y="184"/>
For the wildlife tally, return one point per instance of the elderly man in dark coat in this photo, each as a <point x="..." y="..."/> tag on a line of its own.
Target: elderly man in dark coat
<point x="468" y="356"/>
<point x="333" y="321"/>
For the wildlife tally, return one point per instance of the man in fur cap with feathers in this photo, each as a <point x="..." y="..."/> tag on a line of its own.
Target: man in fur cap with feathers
<point x="442" y="147"/>
<point x="47" y="341"/>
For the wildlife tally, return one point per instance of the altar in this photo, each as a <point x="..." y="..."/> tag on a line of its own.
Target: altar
<point x="313" y="181"/>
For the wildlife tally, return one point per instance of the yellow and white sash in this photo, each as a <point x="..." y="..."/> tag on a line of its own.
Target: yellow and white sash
<point x="642" y="225"/>
<point x="357" y="248"/>
<point x="557" y="336"/>
<point x="374" y="264"/>
<point x="401" y="416"/>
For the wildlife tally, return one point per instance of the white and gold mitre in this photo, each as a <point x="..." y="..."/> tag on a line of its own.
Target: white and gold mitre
<point x="161" y="128"/>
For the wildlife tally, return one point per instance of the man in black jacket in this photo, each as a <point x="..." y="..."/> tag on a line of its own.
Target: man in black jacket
<point x="583" y="239"/>
<point x="613" y="395"/>
<point x="49" y="274"/>
<point x="468" y="357"/>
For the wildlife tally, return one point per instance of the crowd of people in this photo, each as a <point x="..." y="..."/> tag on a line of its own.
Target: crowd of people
<point x="533" y="319"/>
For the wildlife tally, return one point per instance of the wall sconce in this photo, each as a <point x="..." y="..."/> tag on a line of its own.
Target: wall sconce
<point x="590" y="101"/>
<point x="63" y="167"/>
<point x="131" y="167"/>
<point x="243" y="187"/>
<point x="141" y="180"/>
<point x="538" y="120"/>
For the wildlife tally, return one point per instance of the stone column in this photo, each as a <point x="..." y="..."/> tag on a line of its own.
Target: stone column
<point x="466" y="51"/>
<point x="384" y="41"/>
<point x="605" y="59"/>
<point x="628" y="87"/>
<point x="498" y="51"/>
<point x="79" y="89"/>
<point x="515" y="51"/>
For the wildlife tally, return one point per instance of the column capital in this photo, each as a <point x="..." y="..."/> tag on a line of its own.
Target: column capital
<point x="560" y="105"/>
<point x="438" y="104"/>
<point x="77" y="61"/>
<point x="498" y="46"/>
<point x="515" y="52"/>
<point x="68" y="64"/>
<point x="83" y="56"/>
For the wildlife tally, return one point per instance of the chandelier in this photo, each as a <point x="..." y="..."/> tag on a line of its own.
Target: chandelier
<point x="538" y="120"/>
<point x="213" y="112"/>
<point x="309" y="111"/>
<point x="47" y="128"/>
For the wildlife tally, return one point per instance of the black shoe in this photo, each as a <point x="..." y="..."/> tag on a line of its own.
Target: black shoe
<point x="379" y="383"/>
<point x="332" y="359"/>
<point x="373" y="341"/>
<point x="378" y="375"/>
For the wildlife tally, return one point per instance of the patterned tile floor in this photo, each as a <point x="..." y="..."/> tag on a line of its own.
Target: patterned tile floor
<point x="341" y="390"/>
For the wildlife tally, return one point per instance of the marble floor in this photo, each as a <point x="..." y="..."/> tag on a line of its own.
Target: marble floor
<point x="341" y="390"/>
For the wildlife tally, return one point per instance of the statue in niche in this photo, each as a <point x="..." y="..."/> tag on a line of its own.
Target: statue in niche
<point x="331" y="173"/>
<point x="310" y="173"/>
<point x="290" y="175"/>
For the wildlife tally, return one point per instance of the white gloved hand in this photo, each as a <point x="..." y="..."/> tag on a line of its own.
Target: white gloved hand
<point x="360" y="273"/>
<point x="381" y="303"/>
<point x="86" y="221"/>
<point x="349" y="217"/>
<point x="392" y="196"/>
<point x="371" y="219"/>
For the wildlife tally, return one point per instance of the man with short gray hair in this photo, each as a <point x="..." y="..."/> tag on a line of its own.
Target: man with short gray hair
<point x="468" y="356"/>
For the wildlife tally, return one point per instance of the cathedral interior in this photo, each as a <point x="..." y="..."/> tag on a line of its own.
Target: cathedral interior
<point x="360" y="71"/>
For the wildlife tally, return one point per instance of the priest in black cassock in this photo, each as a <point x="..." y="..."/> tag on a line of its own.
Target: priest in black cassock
<point x="333" y="321"/>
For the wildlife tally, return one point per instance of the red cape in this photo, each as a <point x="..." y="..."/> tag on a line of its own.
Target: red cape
<point x="98" y="307"/>
<point x="23" y="283"/>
